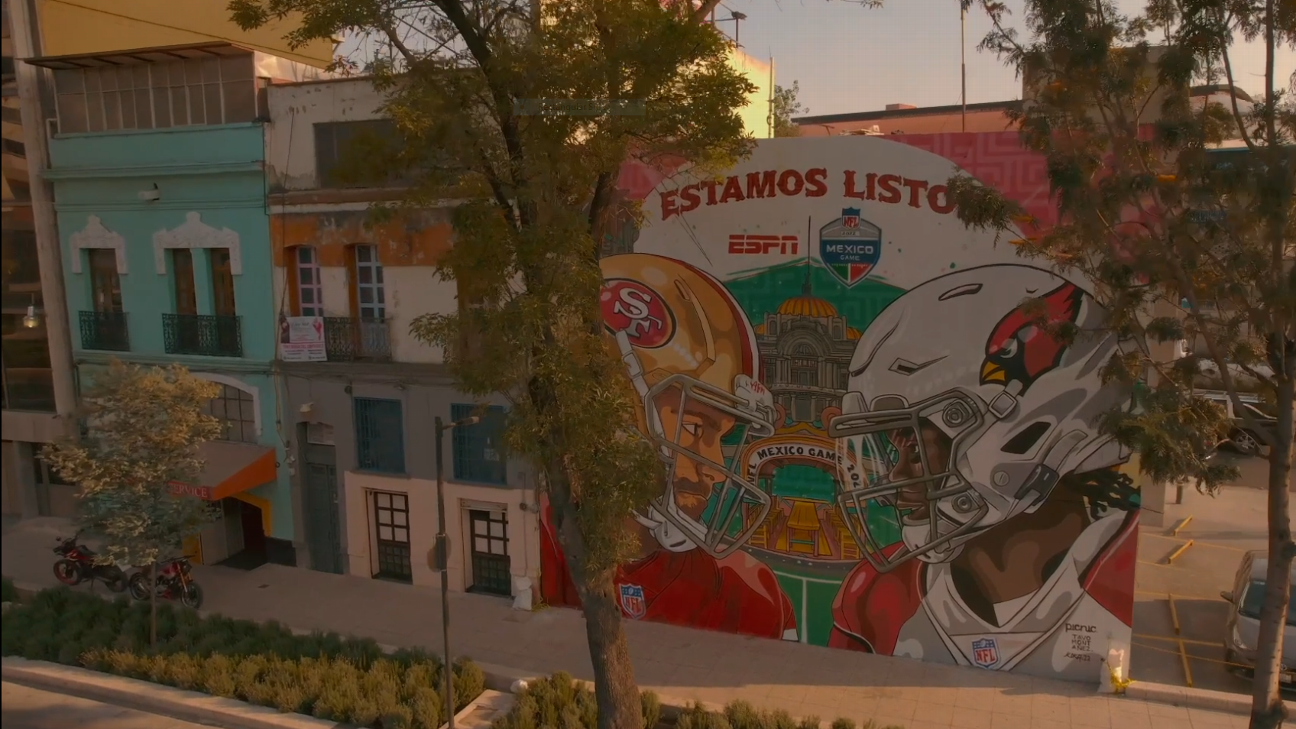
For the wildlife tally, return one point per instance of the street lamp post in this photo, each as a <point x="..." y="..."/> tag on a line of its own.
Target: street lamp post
<point x="442" y="560"/>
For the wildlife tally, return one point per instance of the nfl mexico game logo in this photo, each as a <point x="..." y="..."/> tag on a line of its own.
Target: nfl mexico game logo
<point x="985" y="652"/>
<point x="850" y="247"/>
<point x="632" y="601"/>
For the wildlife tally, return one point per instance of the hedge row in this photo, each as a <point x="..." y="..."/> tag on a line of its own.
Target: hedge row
<point x="339" y="679"/>
<point x="560" y="702"/>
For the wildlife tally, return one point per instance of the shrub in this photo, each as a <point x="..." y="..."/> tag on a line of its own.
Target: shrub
<point x="843" y="723"/>
<point x="322" y="674"/>
<point x="8" y="592"/>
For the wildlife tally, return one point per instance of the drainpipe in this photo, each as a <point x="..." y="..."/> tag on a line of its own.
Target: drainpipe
<point x="26" y="39"/>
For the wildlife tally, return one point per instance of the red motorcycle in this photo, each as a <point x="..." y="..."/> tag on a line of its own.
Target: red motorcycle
<point x="174" y="581"/>
<point x="77" y="564"/>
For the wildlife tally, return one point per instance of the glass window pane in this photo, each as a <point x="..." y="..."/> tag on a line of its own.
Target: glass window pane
<point x="363" y="254"/>
<point x="307" y="295"/>
<point x="378" y="274"/>
<point x="496" y="529"/>
<point x="366" y="296"/>
<point x="385" y="533"/>
<point x="127" y="102"/>
<point x="306" y="275"/>
<point x="212" y="93"/>
<point x="161" y="108"/>
<point x="305" y="254"/>
<point x="159" y="75"/>
<point x="497" y="548"/>
<point x="384" y="500"/>
<point x="143" y="109"/>
<point x="179" y="106"/>
<point x="211" y="70"/>
<point x="240" y="101"/>
<point x="72" y="113"/>
<point x="125" y="78"/>
<point x="69" y="81"/>
<point x="381" y="298"/>
<point x="91" y="79"/>
<point x="401" y="535"/>
<point x="196" y="115"/>
<point x="107" y="79"/>
<point x="176" y="72"/>
<point x="140" y="76"/>
<point x="95" y="112"/>
<point x="236" y="68"/>
<point x="399" y="518"/>
<point x="193" y="71"/>
<point x="480" y="544"/>
<point x="399" y="501"/>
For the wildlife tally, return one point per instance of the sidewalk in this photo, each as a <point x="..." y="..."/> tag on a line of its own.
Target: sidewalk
<point x="675" y="662"/>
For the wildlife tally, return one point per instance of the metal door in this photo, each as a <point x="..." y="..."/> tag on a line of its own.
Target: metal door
<point x="320" y="496"/>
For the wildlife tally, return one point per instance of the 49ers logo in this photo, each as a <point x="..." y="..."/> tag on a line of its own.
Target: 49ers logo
<point x="637" y="310"/>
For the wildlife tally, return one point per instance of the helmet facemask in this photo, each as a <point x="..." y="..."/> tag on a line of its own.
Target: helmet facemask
<point x="898" y="468"/>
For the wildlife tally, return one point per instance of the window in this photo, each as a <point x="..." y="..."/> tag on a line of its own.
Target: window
<point x="478" y="449"/>
<point x="186" y="298"/>
<point x="370" y="302"/>
<point x="310" y="290"/>
<point x="380" y="435"/>
<point x="222" y="281"/>
<point x="211" y="90"/>
<point x="105" y="284"/>
<point x="769" y="371"/>
<point x="237" y="412"/>
<point x="333" y="142"/>
<point x="491" y="571"/>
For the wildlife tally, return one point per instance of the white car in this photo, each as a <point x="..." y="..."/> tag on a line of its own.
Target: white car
<point x="1208" y="368"/>
<point x="1242" y="631"/>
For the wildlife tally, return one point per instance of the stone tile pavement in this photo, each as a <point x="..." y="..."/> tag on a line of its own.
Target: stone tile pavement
<point x="675" y="662"/>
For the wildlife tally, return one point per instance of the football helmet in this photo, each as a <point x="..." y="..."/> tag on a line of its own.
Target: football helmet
<point x="691" y="355"/>
<point x="961" y="412"/>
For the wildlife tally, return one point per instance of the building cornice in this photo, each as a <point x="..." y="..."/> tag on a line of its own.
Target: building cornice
<point x="405" y="373"/>
<point x="197" y="364"/>
<point x="185" y="170"/>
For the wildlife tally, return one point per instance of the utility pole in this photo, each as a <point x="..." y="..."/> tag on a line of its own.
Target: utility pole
<point x="963" y="58"/>
<point x="25" y="34"/>
<point x="440" y="560"/>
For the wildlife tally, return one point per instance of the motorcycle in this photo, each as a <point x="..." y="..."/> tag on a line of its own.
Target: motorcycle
<point x="77" y="564"/>
<point x="174" y="581"/>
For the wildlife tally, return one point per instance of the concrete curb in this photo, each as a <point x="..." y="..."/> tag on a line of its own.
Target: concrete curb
<point x="153" y="698"/>
<point x="1195" y="698"/>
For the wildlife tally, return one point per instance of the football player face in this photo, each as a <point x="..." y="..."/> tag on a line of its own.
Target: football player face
<point x="911" y="499"/>
<point x="700" y="428"/>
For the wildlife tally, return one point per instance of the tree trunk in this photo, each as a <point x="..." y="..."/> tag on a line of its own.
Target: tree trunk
<point x="153" y="577"/>
<point x="1267" y="709"/>
<point x="614" y="681"/>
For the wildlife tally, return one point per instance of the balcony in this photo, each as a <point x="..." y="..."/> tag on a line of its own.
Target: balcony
<point x="105" y="330"/>
<point x="351" y="339"/>
<point x="203" y="334"/>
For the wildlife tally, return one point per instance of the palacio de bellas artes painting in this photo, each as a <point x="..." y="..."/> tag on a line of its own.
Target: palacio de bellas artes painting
<point x="870" y="443"/>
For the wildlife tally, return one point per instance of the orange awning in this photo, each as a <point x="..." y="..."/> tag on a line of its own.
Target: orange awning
<point x="232" y="468"/>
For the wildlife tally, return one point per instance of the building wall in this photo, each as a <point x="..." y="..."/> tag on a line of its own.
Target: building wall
<point x="331" y="403"/>
<point x="756" y="114"/>
<point x="210" y="191"/>
<point x="96" y="26"/>
<point x="885" y="306"/>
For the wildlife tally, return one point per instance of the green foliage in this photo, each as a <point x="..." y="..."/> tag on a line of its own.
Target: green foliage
<point x="785" y="107"/>
<point x="1155" y="211"/>
<point x="8" y="592"/>
<point x="324" y="675"/>
<point x="144" y="426"/>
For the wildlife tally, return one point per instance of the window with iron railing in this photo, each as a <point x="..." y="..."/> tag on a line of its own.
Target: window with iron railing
<point x="188" y="92"/>
<point x="380" y="435"/>
<point x="479" y="448"/>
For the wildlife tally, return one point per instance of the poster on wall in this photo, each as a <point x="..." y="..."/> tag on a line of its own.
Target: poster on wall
<point x="872" y="442"/>
<point x="301" y="339"/>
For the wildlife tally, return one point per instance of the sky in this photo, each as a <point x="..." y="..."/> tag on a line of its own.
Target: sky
<point x="848" y="58"/>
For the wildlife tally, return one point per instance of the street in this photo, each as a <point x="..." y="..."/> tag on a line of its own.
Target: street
<point x="28" y="708"/>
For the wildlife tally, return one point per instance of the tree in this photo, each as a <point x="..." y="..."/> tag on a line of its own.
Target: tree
<point x="531" y="109"/>
<point x="1182" y="233"/>
<point x="144" y="427"/>
<point x="786" y="107"/>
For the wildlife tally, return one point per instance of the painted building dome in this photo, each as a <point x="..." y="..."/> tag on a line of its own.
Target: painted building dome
<point x="811" y="306"/>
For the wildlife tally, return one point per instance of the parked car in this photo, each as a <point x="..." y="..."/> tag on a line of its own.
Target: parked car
<point x="1242" y="631"/>
<point x="1244" y="437"/>
<point x="1208" y="368"/>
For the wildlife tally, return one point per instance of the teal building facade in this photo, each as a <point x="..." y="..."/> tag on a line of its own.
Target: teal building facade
<point x="166" y="254"/>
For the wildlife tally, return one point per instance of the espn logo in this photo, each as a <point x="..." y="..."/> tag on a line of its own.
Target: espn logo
<point x="742" y="244"/>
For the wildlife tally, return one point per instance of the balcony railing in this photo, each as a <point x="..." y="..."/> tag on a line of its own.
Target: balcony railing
<point x="347" y="339"/>
<point x="105" y="330"/>
<point x="203" y="334"/>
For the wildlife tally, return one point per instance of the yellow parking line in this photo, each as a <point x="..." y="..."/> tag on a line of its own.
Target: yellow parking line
<point x="1204" y="544"/>
<point x="1183" y="658"/>
<point x="1179" y="527"/>
<point x="1179" y="552"/>
<point x="1174" y="614"/>
<point x="1169" y="639"/>
<point x="1178" y="596"/>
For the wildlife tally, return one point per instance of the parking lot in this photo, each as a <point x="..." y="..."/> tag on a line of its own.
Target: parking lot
<point x="1221" y="529"/>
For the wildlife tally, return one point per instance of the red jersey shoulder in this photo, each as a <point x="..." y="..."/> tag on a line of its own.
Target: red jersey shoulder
<point x="872" y="606"/>
<point x="1109" y="580"/>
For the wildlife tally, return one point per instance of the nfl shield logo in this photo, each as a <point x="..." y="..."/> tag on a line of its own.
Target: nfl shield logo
<point x="985" y="652"/>
<point x="632" y="601"/>
<point x="850" y="247"/>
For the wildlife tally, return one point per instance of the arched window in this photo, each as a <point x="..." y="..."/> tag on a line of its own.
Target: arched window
<point x="236" y="410"/>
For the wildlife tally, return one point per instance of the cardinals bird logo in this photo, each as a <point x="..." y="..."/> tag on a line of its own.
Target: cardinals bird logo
<point x="1019" y="350"/>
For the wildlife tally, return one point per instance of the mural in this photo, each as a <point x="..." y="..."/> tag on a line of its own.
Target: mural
<point x="872" y="441"/>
